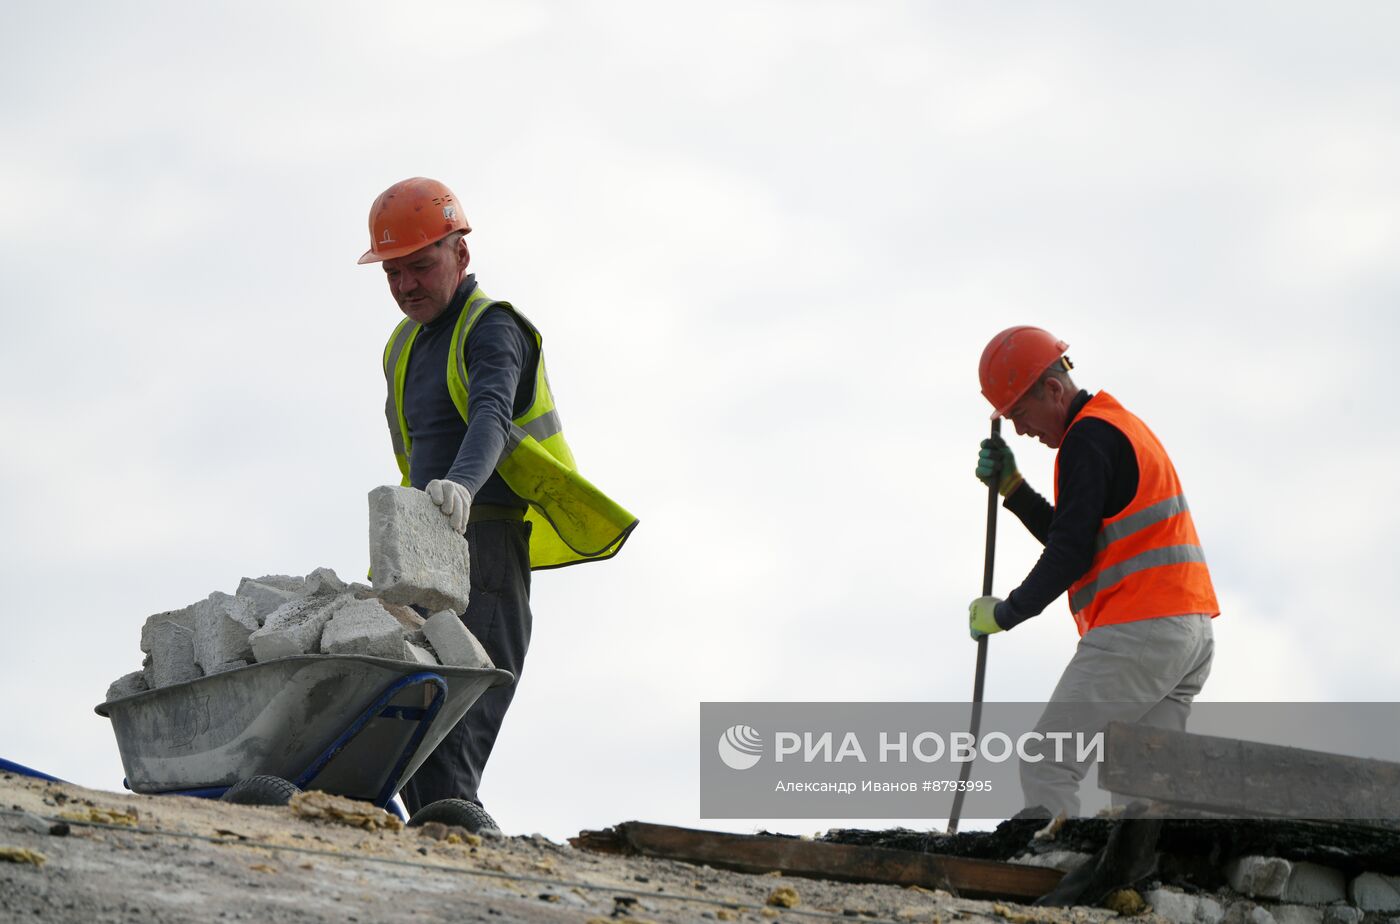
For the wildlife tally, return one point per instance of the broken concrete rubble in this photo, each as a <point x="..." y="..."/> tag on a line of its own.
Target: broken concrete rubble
<point x="420" y="565"/>
<point x="294" y="628"/>
<point x="222" y="625"/>
<point x="183" y="617"/>
<point x="363" y="627"/>
<point x="415" y="557"/>
<point x="453" y="642"/>
<point x="264" y="597"/>
<point x="172" y="655"/>
<point x="127" y="685"/>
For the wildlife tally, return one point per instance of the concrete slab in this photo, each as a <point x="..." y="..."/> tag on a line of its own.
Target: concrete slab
<point x="414" y="555"/>
<point x="173" y="656"/>
<point x="363" y="627"/>
<point x="294" y="628"/>
<point x="222" y="625"/>
<point x="453" y="642"/>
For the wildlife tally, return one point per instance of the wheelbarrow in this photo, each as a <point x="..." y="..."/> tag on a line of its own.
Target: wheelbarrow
<point x="345" y="724"/>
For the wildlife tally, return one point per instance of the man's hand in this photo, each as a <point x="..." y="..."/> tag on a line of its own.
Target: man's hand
<point x="995" y="461"/>
<point x="981" y="617"/>
<point x="453" y="500"/>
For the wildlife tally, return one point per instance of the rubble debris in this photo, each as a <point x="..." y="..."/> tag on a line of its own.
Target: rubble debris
<point x="294" y="628"/>
<point x="183" y="617"/>
<point x="127" y="685"/>
<point x="279" y="616"/>
<point x="453" y="642"/>
<point x="265" y="598"/>
<point x="173" y="658"/>
<point x="222" y="625"/>
<point x="414" y="555"/>
<point x="326" y="807"/>
<point x="363" y="627"/>
<point x="324" y="581"/>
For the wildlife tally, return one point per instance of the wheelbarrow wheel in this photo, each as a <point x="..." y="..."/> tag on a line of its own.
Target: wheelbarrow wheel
<point x="261" y="790"/>
<point x="459" y="812"/>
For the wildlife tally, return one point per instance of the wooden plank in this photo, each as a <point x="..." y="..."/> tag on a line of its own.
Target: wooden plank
<point x="752" y="853"/>
<point x="1247" y="778"/>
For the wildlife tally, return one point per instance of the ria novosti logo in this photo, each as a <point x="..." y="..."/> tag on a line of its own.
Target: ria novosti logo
<point x="740" y="747"/>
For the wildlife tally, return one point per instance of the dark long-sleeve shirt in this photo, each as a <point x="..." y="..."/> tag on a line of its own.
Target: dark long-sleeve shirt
<point x="500" y="360"/>
<point x="1098" y="478"/>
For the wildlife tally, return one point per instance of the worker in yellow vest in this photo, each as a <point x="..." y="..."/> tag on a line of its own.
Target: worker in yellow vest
<point x="473" y="422"/>
<point x="1119" y="538"/>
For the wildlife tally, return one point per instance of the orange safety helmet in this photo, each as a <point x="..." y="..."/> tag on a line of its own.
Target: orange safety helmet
<point x="1013" y="361"/>
<point x="409" y="216"/>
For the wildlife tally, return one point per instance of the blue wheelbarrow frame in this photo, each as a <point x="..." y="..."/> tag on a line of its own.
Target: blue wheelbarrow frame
<point x="348" y="725"/>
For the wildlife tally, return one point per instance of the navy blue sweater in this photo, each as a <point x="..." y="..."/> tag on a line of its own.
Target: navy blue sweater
<point x="1098" y="475"/>
<point x="501" y="358"/>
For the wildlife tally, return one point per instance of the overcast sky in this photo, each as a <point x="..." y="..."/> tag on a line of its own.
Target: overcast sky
<point x="766" y="243"/>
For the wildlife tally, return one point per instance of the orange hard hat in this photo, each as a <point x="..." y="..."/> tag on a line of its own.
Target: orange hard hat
<point x="410" y="215"/>
<point x="1013" y="361"/>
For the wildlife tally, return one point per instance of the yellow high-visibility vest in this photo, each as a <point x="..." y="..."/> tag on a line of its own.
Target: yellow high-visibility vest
<point x="572" y="521"/>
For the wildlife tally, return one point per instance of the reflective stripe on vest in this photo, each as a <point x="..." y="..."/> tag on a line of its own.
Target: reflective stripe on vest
<point x="1148" y="561"/>
<point x="571" y="520"/>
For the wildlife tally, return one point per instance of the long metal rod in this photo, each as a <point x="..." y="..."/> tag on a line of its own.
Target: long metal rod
<point x="988" y="561"/>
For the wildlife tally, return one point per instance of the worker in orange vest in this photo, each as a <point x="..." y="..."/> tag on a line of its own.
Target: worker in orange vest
<point x="1119" y="538"/>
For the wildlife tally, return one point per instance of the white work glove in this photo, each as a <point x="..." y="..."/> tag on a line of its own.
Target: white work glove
<point x="453" y="500"/>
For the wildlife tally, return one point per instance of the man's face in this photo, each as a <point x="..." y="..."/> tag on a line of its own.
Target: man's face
<point x="1041" y="415"/>
<point x="424" y="282"/>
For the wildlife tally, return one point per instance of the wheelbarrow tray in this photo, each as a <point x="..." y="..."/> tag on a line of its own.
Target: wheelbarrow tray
<point x="311" y="719"/>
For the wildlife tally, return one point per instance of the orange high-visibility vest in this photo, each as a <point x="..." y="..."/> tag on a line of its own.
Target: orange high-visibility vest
<point x="1148" y="561"/>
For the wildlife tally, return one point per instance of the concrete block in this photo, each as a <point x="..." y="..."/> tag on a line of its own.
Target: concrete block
<point x="1260" y="877"/>
<point x="1180" y="908"/>
<point x="1342" y="914"/>
<point x="173" y="656"/>
<point x="1315" y="884"/>
<point x="222" y="625"/>
<point x="127" y="685"/>
<point x="183" y="617"/>
<point x="1296" y="914"/>
<point x="414" y="555"/>
<point x="363" y="627"/>
<point x="1375" y="892"/>
<point x="294" y="628"/>
<point x="324" y="581"/>
<point x="414" y="652"/>
<point x="454" y="644"/>
<point x="264" y="597"/>
<point x="1064" y="860"/>
<point x="229" y="666"/>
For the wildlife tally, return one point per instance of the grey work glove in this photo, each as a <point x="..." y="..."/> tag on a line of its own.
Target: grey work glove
<point x="453" y="500"/>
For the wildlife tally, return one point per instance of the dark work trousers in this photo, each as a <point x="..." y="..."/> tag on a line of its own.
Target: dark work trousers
<point x="498" y="614"/>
